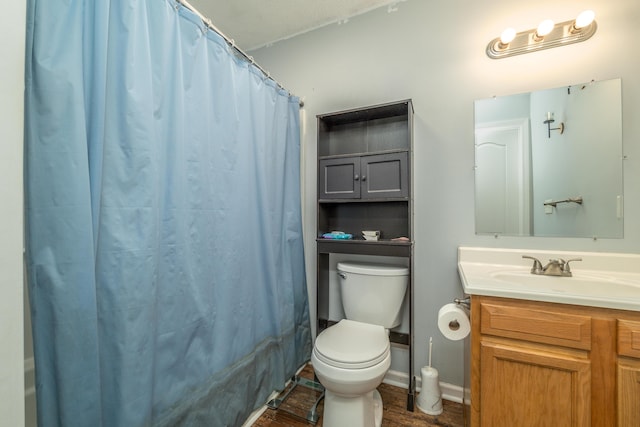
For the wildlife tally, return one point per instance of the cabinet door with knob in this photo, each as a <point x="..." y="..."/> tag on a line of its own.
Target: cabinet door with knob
<point x="384" y="176"/>
<point x="339" y="178"/>
<point x="367" y="177"/>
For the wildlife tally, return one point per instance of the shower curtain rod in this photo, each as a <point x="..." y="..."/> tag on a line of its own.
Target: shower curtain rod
<point x="232" y="43"/>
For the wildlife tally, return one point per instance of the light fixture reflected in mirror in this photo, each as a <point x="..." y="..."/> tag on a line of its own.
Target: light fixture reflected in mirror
<point x="550" y="119"/>
<point x="545" y="36"/>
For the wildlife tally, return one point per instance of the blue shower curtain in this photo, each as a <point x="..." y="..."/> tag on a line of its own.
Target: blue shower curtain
<point x="164" y="244"/>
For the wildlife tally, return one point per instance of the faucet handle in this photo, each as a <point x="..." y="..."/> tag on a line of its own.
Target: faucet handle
<point x="537" y="265"/>
<point x="566" y="270"/>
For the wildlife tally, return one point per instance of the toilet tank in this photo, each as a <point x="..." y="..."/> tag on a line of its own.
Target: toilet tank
<point x="373" y="293"/>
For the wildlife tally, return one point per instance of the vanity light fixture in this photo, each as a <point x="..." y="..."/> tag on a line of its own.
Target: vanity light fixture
<point x="543" y="29"/>
<point x="550" y="120"/>
<point x="583" y="20"/>
<point x="545" y="36"/>
<point x="507" y="37"/>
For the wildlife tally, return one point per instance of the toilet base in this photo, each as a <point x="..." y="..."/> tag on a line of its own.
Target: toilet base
<point x="358" y="411"/>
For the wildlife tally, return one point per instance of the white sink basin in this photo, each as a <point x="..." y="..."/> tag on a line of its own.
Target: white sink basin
<point x="578" y="284"/>
<point x="600" y="279"/>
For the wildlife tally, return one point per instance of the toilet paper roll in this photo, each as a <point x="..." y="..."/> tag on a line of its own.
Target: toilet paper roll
<point x="453" y="322"/>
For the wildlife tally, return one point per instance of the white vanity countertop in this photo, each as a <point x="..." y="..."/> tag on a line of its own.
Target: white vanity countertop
<point x="601" y="279"/>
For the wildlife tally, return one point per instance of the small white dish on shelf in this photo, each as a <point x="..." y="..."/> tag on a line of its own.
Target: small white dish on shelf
<point x="372" y="235"/>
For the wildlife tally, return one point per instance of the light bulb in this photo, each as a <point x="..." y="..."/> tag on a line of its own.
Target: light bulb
<point x="507" y="36"/>
<point x="584" y="19"/>
<point x="544" y="28"/>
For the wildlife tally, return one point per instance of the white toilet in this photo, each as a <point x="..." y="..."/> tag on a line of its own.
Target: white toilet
<point x="352" y="357"/>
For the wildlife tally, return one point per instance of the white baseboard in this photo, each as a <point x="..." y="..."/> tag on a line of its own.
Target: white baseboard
<point x="451" y="392"/>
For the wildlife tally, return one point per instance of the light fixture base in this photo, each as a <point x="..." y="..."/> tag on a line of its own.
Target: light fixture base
<point x="563" y="33"/>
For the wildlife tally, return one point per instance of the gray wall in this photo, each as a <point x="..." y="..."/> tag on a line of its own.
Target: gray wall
<point x="434" y="53"/>
<point x="12" y="34"/>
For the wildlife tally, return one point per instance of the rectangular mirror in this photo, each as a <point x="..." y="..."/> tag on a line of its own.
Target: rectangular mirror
<point x="549" y="162"/>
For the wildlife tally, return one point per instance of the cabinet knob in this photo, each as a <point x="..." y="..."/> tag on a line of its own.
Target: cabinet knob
<point x="357" y="177"/>
<point x="364" y="177"/>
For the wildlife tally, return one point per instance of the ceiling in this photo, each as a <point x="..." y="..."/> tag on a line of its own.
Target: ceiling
<point x="256" y="23"/>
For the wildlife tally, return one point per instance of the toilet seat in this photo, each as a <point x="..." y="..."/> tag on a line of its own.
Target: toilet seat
<point x="352" y="345"/>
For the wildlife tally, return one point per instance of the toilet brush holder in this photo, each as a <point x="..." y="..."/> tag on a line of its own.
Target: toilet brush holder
<point x="430" y="397"/>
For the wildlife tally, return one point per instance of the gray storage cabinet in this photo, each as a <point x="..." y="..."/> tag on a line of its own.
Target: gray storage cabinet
<point x="365" y="183"/>
<point x="367" y="177"/>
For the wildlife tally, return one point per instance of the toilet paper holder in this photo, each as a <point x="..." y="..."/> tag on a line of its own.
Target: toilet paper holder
<point x="454" y="319"/>
<point x="466" y="302"/>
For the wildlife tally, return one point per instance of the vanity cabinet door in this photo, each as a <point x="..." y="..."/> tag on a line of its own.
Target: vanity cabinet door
<point x="628" y="393"/>
<point x="628" y="373"/>
<point x="532" y="386"/>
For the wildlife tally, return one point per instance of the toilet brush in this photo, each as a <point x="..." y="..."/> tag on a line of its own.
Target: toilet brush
<point x="430" y="397"/>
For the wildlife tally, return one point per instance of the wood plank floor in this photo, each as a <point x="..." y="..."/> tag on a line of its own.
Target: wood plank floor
<point x="395" y="413"/>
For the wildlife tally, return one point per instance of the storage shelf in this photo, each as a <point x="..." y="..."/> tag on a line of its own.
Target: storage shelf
<point x="381" y="242"/>
<point x="363" y="153"/>
<point x="365" y="131"/>
<point x="393" y="109"/>
<point x="365" y="247"/>
<point x="371" y="200"/>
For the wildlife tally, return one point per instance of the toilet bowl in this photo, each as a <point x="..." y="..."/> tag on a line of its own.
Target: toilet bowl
<point x="352" y="357"/>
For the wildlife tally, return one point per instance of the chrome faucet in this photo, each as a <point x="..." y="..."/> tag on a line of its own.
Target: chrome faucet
<point x="555" y="267"/>
<point x="537" y="266"/>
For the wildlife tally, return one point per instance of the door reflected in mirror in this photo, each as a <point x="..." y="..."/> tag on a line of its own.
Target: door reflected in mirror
<point x="549" y="162"/>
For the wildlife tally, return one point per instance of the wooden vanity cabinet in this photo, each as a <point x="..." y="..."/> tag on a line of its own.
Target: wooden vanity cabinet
<point x="628" y="371"/>
<point x="547" y="364"/>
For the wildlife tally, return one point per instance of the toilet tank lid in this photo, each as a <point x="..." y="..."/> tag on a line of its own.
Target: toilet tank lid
<point x="373" y="269"/>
